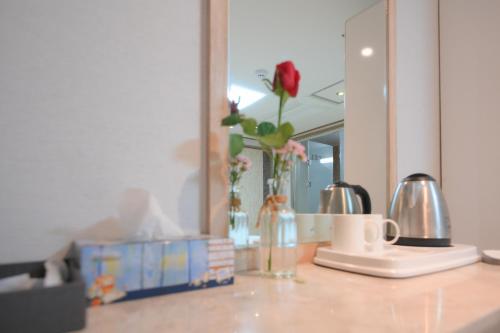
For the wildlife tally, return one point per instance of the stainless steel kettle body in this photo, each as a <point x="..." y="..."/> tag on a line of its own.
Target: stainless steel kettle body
<point x="420" y="210"/>
<point x="340" y="198"/>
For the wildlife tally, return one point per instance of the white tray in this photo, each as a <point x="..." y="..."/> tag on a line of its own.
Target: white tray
<point x="399" y="261"/>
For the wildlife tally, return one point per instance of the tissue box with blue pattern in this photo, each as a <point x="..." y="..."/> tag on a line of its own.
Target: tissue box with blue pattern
<point x="120" y="271"/>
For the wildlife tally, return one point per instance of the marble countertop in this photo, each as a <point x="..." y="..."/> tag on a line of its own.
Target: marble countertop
<point x="319" y="300"/>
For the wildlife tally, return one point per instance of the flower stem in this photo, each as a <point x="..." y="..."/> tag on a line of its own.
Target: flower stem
<point x="276" y="158"/>
<point x="269" y="259"/>
<point x="280" y="110"/>
<point x="277" y="180"/>
<point x="231" y="208"/>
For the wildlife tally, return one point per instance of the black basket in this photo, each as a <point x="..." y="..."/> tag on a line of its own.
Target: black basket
<point x="52" y="309"/>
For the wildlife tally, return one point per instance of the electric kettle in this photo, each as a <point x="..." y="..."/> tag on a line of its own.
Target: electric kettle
<point x="419" y="208"/>
<point x="340" y="198"/>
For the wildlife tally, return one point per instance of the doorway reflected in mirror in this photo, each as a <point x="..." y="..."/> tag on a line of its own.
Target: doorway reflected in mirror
<point x="324" y="167"/>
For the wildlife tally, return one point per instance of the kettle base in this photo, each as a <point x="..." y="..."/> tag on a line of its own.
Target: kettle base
<point x="427" y="242"/>
<point x="399" y="261"/>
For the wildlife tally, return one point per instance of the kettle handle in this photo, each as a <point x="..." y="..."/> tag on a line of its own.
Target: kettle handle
<point x="365" y="198"/>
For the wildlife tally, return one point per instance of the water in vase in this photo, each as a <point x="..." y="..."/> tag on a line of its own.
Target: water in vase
<point x="278" y="244"/>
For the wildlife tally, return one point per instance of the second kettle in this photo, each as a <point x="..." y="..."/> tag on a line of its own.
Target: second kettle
<point x="340" y="198"/>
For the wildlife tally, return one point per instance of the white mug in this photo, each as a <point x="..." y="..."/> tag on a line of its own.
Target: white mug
<point x="306" y="227"/>
<point x="322" y="227"/>
<point x="376" y="229"/>
<point x="349" y="230"/>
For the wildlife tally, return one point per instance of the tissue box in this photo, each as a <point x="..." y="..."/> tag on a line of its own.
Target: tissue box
<point x="120" y="271"/>
<point x="48" y="309"/>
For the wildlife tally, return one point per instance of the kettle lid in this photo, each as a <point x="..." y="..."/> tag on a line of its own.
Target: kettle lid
<point x="418" y="177"/>
<point x="338" y="184"/>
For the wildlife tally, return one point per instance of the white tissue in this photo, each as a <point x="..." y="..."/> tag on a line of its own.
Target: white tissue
<point x="17" y="282"/>
<point x="53" y="274"/>
<point x="142" y="218"/>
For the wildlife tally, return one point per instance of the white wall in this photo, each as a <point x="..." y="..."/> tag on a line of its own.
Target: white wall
<point x="470" y="85"/>
<point x="96" y="97"/>
<point x="416" y="88"/>
<point x="366" y="105"/>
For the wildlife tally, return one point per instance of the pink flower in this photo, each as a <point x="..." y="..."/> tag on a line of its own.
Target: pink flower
<point x="282" y="151"/>
<point x="246" y="163"/>
<point x="302" y="156"/>
<point x="294" y="148"/>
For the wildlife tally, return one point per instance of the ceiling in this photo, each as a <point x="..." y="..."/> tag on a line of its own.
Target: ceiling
<point x="263" y="33"/>
<point x="332" y="138"/>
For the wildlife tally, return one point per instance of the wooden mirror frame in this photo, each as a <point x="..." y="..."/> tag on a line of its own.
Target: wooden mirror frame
<point x="218" y="11"/>
<point x="217" y="141"/>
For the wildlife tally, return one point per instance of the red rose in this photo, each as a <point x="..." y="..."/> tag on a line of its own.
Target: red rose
<point x="286" y="77"/>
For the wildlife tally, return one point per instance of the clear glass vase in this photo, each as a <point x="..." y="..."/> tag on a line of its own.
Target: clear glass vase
<point x="278" y="231"/>
<point x="238" y="219"/>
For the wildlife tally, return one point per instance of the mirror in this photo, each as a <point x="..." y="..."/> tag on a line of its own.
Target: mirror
<point x="340" y="112"/>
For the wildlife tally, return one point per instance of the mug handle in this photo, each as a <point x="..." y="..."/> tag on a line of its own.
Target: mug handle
<point x="396" y="237"/>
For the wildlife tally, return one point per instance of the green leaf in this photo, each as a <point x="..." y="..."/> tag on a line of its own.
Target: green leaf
<point x="274" y="140"/>
<point x="249" y="126"/>
<point x="266" y="128"/>
<point x="231" y="120"/>
<point x="235" y="144"/>
<point x="279" y="138"/>
<point x="286" y="130"/>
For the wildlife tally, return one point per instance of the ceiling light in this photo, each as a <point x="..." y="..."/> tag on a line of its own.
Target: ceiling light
<point x="326" y="160"/>
<point x="367" y="52"/>
<point x="261" y="74"/>
<point x="340" y="93"/>
<point x="244" y="95"/>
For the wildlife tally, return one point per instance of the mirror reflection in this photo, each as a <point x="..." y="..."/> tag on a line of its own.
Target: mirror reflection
<point x="313" y="34"/>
